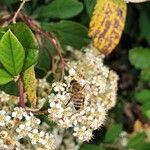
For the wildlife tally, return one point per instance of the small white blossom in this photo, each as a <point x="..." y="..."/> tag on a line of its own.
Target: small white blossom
<point x="82" y="133"/>
<point x="18" y="113"/>
<point x="42" y="83"/>
<point x="124" y="138"/>
<point x="4" y="118"/>
<point x="72" y="72"/>
<point x="59" y="87"/>
<point x="43" y="90"/>
<point x="23" y="130"/>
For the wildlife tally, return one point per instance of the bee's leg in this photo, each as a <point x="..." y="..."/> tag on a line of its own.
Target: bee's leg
<point x="83" y="102"/>
<point x="68" y="102"/>
<point x="84" y="86"/>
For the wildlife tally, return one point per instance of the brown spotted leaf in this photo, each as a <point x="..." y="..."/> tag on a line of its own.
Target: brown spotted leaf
<point x="107" y="24"/>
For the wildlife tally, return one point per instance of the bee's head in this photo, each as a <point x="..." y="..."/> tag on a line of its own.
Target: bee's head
<point x="77" y="108"/>
<point x="73" y="81"/>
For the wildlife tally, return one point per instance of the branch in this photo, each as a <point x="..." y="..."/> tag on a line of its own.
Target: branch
<point x="6" y="20"/>
<point x="43" y="112"/>
<point x="19" y="9"/>
<point x="48" y="36"/>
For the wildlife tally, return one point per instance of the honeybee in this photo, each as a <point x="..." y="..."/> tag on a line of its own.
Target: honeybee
<point x="77" y="95"/>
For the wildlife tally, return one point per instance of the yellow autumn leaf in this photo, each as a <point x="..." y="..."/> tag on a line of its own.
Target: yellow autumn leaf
<point x="30" y="85"/>
<point x="107" y="24"/>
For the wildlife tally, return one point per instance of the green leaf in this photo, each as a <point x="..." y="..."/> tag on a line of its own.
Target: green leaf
<point x="147" y="113"/>
<point x="140" y="57"/>
<point x="145" y="74"/>
<point x="60" y="9"/>
<point x="69" y="33"/>
<point x="137" y="140"/>
<point x="2" y="32"/>
<point x="43" y="60"/>
<point x="143" y="146"/>
<point x="9" y="1"/>
<point x="89" y="6"/>
<point x="113" y="133"/>
<point x="144" y="23"/>
<point x="10" y="88"/>
<point x="143" y="95"/>
<point x="11" y="53"/>
<point x="146" y="108"/>
<point x="45" y="118"/>
<point x="89" y="147"/>
<point x="5" y="77"/>
<point x="28" y="41"/>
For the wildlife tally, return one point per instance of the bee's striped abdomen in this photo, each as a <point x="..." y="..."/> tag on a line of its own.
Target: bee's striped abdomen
<point x="78" y="101"/>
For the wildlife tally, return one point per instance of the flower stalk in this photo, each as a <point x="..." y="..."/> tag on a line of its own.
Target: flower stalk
<point x="21" y="93"/>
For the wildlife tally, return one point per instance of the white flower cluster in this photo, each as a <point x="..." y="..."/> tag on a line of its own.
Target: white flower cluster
<point x="20" y="125"/>
<point x="99" y="86"/>
<point x="43" y="84"/>
<point x="7" y="102"/>
<point x="65" y="140"/>
<point x="4" y="97"/>
<point x="43" y="88"/>
<point x="4" y="118"/>
<point x="123" y="138"/>
<point x="7" y="142"/>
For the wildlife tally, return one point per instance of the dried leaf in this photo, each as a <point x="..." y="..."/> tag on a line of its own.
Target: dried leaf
<point x="107" y="24"/>
<point x="30" y="85"/>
